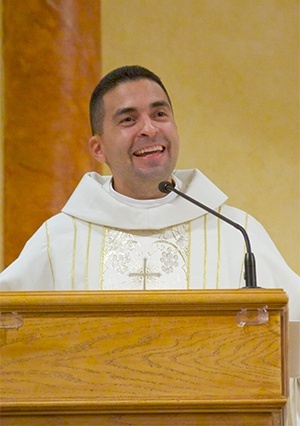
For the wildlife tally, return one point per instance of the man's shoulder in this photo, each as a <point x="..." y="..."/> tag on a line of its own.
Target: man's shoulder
<point x="60" y="221"/>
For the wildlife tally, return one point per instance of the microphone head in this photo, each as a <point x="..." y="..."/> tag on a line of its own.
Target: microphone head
<point x="165" y="187"/>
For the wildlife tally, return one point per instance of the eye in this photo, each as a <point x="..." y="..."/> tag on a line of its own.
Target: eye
<point x="161" y="114"/>
<point x="127" y="120"/>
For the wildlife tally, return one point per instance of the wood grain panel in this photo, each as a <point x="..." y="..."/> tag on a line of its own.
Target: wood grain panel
<point x="101" y="357"/>
<point x="131" y="353"/>
<point x="186" y="419"/>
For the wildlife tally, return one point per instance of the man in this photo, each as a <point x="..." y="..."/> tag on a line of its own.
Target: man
<point x="121" y="232"/>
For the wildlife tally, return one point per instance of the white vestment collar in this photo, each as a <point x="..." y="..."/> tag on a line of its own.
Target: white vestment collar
<point x="92" y="201"/>
<point x="145" y="203"/>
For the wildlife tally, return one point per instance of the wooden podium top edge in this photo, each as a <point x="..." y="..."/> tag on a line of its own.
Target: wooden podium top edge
<point x="161" y="300"/>
<point x="162" y="406"/>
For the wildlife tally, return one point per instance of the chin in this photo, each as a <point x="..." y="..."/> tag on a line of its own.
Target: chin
<point x="155" y="174"/>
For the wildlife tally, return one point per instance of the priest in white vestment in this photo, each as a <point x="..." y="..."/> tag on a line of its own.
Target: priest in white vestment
<point x="120" y="232"/>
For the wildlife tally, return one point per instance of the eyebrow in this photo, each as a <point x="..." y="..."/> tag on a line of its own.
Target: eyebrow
<point x="128" y="110"/>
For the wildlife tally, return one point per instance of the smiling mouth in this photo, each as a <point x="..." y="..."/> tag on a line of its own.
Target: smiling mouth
<point x="147" y="151"/>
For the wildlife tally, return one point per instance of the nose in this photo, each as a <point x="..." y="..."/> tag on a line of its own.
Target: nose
<point x="148" y="127"/>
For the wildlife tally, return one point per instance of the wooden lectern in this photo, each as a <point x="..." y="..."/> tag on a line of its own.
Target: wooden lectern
<point x="145" y="358"/>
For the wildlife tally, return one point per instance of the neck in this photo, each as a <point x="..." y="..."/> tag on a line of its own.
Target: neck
<point x="143" y="191"/>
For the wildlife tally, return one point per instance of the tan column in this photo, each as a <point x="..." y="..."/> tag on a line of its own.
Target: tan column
<point x="51" y="64"/>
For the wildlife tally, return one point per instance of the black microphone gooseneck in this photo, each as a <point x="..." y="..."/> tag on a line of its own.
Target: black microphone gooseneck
<point x="250" y="269"/>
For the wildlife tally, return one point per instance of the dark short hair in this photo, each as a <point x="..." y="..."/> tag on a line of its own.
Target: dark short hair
<point x="109" y="82"/>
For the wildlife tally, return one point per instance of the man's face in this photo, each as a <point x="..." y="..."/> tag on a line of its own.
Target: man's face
<point x="139" y="142"/>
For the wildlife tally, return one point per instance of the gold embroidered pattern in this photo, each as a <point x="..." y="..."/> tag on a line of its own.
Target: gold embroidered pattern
<point x="144" y="274"/>
<point x="167" y="254"/>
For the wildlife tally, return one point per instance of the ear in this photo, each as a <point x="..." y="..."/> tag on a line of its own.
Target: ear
<point x="96" y="148"/>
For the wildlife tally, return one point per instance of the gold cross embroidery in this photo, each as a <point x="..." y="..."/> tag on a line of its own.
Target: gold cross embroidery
<point x="145" y="274"/>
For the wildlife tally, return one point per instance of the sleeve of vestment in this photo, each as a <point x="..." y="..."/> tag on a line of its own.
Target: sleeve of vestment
<point x="272" y="269"/>
<point x="31" y="271"/>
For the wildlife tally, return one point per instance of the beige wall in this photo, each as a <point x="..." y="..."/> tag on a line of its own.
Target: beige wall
<point x="231" y="67"/>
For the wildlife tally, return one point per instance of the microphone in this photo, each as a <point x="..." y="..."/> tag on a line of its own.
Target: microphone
<point x="249" y="261"/>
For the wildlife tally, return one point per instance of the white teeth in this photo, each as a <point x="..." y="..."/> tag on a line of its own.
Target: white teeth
<point x="150" y="149"/>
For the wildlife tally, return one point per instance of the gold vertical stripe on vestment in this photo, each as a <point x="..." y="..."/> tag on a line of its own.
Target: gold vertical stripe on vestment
<point x="188" y="260"/>
<point x="74" y="253"/>
<point x="218" y="252"/>
<point x="88" y="256"/>
<point x="205" y="252"/>
<point x="49" y="252"/>
<point x="102" y="254"/>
